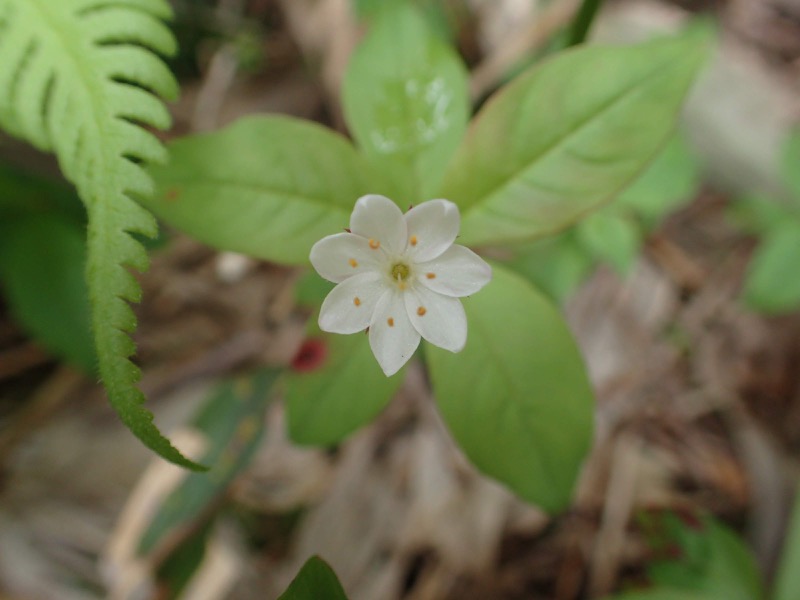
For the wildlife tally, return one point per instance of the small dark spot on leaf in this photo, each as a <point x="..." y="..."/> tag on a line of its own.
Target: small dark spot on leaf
<point x="172" y="194"/>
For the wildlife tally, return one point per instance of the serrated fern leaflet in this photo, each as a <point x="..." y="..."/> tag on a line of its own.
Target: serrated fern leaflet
<point x="82" y="78"/>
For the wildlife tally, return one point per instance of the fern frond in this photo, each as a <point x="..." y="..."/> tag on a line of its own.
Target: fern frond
<point x="83" y="78"/>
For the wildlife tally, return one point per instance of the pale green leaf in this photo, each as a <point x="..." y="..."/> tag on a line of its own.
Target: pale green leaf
<point x="758" y="214"/>
<point x="405" y="96"/>
<point x="315" y="581"/>
<point x="88" y="102"/>
<point x="567" y="136"/>
<point x="345" y="392"/>
<point x="556" y="265"/>
<point x="790" y="163"/>
<point x="772" y="284"/>
<point x="441" y="17"/>
<point x="612" y="238"/>
<point x="668" y="182"/>
<point x="265" y="186"/>
<point x="517" y="398"/>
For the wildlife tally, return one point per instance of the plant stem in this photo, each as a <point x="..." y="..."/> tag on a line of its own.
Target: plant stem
<point x="583" y="21"/>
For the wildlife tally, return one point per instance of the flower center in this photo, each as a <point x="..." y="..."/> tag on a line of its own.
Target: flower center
<point x="400" y="272"/>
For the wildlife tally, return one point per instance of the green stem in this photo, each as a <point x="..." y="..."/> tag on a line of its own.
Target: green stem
<point x="583" y="21"/>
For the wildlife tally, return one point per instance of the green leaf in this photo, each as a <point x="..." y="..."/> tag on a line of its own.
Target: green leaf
<point x="315" y="581"/>
<point x="82" y="78"/>
<point x="714" y="561"/>
<point x="612" y="238"/>
<point x="517" y="398"/>
<point x="790" y="163"/>
<point x="443" y="19"/>
<point x="25" y="194"/>
<point x="772" y="285"/>
<point x="567" y="136"/>
<point x="758" y="215"/>
<point x="787" y="578"/>
<point x="311" y="289"/>
<point x="265" y="186"/>
<point x="660" y="593"/>
<point x="232" y="423"/>
<point x="177" y="570"/>
<point x="405" y="97"/>
<point x="556" y="265"/>
<point x="669" y="181"/>
<point x="344" y="393"/>
<point x="41" y="266"/>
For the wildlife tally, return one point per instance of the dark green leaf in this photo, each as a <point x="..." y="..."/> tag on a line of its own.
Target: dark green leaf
<point x="660" y="593"/>
<point x="345" y="392"/>
<point x="311" y="289"/>
<point x="315" y="581"/>
<point x="232" y="424"/>
<point x="713" y="561"/>
<point x="41" y="267"/>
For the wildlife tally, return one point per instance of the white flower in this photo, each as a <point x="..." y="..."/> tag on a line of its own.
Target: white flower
<point x="401" y="276"/>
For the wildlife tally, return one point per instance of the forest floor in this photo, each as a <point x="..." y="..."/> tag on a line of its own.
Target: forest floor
<point x="698" y="399"/>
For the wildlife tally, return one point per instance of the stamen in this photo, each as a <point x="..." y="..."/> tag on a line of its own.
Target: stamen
<point x="357" y="301"/>
<point x="430" y="275"/>
<point x="374" y="244"/>
<point x="413" y="240"/>
<point x="390" y="321"/>
<point x="353" y="262"/>
<point x="421" y="311"/>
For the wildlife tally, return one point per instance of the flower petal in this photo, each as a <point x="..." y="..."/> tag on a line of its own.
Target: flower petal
<point x="379" y="220"/>
<point x="432" y="228"/>
<point x="391" y="336"/>
<point x="458" y="272"/>
<point x="349" y="306"/>
<point x="343" y="255"/>
<point x="441" y="320"/>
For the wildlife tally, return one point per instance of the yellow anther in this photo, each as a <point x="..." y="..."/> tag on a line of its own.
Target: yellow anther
<point x="353" y="262"/>
<point x="374" y="244"/>
<point x="421" y="311"/>
<point x="430" y="275"/>
<point x="413" y="240"/>
<point x="390" y="321"/>
<point x="357" y="301"/>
